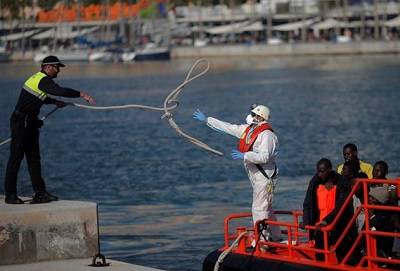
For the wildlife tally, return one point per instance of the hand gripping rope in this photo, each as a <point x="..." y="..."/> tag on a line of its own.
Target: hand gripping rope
<point x="170" y="103"/>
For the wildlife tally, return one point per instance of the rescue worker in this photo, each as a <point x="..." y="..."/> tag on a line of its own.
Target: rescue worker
<point x="258" y="148"/>
<point x="350" y="153"/>
<point x="25" y="126"/>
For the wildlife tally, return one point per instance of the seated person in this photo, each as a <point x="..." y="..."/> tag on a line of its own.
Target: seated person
<point x="381" y="220"/>
<point x="325" y="195"/>
<point x="351" y="173"/>
<point x="380" y="170"/>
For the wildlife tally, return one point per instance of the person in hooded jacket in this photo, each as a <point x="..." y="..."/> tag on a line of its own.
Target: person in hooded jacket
<point x="258" y="149"/>
<point x="326" y="194"/>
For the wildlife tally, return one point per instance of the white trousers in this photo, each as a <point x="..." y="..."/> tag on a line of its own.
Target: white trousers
<point x="263" y="193"/>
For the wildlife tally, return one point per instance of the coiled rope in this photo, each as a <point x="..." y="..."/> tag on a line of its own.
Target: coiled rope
<point x="170" y="103"/>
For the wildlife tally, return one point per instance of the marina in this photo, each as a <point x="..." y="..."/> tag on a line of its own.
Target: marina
<point x="120" y="31"/>
<point x="150" y="205"/>
<point x="143" y="184"/>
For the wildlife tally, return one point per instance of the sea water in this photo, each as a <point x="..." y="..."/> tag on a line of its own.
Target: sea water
<point x="162" y="200"/>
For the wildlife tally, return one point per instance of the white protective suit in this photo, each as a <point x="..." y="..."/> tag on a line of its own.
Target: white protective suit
<point x="264" y="153"/>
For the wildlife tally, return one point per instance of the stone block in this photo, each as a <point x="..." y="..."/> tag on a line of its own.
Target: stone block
<point x="50" y="231"/>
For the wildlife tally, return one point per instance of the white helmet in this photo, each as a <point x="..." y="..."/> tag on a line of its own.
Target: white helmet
<point x="262" y="111"/>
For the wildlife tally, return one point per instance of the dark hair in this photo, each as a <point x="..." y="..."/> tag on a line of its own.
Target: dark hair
<point x="352" y="146"/>
<point x="325" y="161"/>
<point x="384" y="164"/>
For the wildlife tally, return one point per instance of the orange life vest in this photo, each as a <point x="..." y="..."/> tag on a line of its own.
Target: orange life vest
<point x="326" y="200"/>
<point x="247" y="139"/>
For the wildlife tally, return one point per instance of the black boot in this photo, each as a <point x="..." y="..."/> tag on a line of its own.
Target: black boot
<point x="40" y="197"/>
<point x="50" y="196"/>
<point x="13" y="199"/>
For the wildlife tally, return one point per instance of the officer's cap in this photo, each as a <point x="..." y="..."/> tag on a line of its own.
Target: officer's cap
<point x="52" y="60"/>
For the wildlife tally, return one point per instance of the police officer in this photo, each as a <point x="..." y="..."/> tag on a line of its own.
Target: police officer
<point x="25" y="126"/>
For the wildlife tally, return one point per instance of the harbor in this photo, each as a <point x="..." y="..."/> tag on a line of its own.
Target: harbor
<point x="154" y="209"/>
<point x="123" y="31"/>
<point x="139" y="178"/>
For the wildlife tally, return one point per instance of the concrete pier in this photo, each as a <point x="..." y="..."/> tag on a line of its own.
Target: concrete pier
<point x="290" y="49"/>
<point x="60" y="235"/>
<point x="265" y="50"/>
<point x="44" y="232"/>
<point x="75" y="265"/>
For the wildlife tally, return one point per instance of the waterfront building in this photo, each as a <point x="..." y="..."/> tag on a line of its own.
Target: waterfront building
<point x="131" y="25"/>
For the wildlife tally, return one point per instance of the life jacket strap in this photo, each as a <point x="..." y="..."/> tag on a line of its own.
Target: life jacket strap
<point x="265" y="173"/>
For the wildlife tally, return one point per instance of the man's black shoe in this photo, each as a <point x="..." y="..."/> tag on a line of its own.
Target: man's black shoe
<point x="43" y="197"/>
<point x="50" y="196"/>
<point x="13" y="199"/>
<point x="40" y="197"/>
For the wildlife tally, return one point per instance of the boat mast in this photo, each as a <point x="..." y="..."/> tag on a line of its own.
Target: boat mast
<point x="269" y="21"/>
<point x="121" y="23"/>
<point x="78" y="16"/>
<point x="376" y="20"/>
<point x="303" y="22"/>
<point x="23" y="28"/>
<point x="132" y="27"/>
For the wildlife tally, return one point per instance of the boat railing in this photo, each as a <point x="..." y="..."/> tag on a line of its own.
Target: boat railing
<point x="297" y="247"/>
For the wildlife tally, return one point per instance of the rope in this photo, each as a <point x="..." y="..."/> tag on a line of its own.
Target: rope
<point x="227" y="251"/>
<point x="43" y="118"/>
<point x="5" y="141"/>
<point x="170" y="103"/>
<point x="113" y="107"/>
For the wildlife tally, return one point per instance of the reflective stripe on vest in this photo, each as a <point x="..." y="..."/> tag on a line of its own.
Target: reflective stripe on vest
<point x="249" y="136"/>
<point x="32" y="85"/>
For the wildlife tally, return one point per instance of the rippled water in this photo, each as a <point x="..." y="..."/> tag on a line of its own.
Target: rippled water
<point x="162" y="200"/>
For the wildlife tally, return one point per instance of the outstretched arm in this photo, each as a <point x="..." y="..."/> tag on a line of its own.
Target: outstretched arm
<point x="220" y="126"/>
<point x="226" y="127"/>
<point x="50" y="87"/>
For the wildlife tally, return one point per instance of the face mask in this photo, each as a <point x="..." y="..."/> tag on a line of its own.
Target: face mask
<point x="249" y="119"/>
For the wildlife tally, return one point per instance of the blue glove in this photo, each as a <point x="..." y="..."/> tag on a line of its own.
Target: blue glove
<point x="199" y="115"/>
<point x="237" y="155"/>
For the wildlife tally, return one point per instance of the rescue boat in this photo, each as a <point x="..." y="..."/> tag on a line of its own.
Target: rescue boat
<point x="245" y="248"/>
